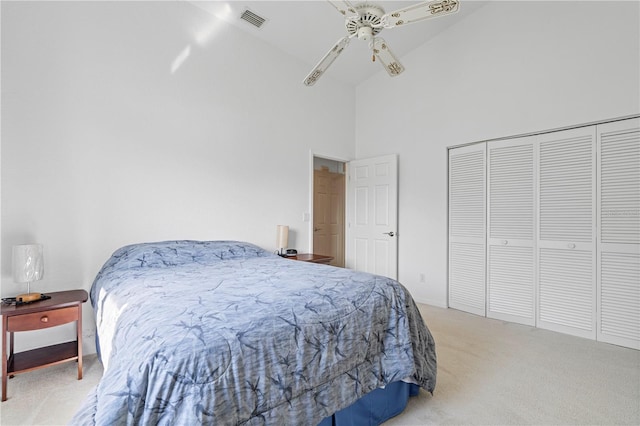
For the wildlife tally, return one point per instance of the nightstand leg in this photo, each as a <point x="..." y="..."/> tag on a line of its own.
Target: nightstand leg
<point x="4" y="358"/>
<point x="79" y="340"/>
<point x="10" y="357"/>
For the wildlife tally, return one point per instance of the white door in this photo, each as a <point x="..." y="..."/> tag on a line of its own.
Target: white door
<point x="618" y="255"/>
<point x="372" y="216"/>
<point x="467" y="228"/>
<point x="511" y="231"/>
<point x="566" y="232"/>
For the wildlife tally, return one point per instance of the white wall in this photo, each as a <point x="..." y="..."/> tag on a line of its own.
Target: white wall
<point x="510" y="68"/>
<point x="102" y="145"/>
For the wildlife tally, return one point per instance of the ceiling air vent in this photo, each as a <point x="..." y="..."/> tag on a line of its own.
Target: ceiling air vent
<point x="252" y="18"/>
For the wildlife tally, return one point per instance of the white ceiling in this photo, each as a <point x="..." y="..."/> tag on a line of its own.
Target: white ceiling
<point x="307" y="30"/>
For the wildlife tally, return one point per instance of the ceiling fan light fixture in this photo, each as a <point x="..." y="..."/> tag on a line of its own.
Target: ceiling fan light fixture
<point x="365" y="33"/>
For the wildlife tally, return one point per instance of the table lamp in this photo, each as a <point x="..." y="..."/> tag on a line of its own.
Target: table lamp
<point x="282" y="238"/>
<point x="28" y="266"/>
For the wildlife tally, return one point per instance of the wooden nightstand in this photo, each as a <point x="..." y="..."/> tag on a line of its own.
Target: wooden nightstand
<point x="313" y="258"/>
<point x="63" y="307"/>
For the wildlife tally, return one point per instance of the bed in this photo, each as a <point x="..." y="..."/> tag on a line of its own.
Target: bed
<point x="224" y="332"/>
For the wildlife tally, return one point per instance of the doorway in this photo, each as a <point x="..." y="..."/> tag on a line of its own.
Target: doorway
<point x="329" y="209"/>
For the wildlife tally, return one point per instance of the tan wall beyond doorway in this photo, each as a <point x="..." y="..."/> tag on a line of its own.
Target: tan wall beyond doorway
<point x="328" y="214"/>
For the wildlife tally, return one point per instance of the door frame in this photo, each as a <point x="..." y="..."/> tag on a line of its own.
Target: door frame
<point x="309" y="215"/>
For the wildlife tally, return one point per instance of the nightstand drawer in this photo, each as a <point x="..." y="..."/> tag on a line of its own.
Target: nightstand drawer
<point x="40" y="320"/>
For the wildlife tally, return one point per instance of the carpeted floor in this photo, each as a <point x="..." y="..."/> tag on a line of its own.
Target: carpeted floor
<point x="489" y="373"/>
<point x="497" y="373"/>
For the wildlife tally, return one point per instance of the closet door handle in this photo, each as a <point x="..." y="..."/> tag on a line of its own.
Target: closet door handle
<point x="505" y="242"/>
<point x="571" y="246"/>
<point x="391" y="234"/>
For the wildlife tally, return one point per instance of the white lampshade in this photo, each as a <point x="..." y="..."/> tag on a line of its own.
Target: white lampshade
<point x="28" y="263"/>
<point x="282" y="238"/>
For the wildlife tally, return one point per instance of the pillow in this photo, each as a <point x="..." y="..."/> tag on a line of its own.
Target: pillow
<point x="175" y="253"/>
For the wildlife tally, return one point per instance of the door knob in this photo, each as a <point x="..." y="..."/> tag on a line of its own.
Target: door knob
<point x="391" y="234"/>
<point x="316" y="229"/>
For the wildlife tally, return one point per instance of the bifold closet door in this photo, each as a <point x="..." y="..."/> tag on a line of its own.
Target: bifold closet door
<point x="511" y="231"/>
<point x="467" y="230"/>
<point x="619" y="233"/>
<point x="566" y="232"/>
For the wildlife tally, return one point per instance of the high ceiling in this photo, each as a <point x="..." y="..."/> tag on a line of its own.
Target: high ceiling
<point x="307" y="30"/>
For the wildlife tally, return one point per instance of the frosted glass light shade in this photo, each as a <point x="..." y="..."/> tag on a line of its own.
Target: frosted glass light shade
<point x="282" y="238"/>
<point x="28" y="263"/>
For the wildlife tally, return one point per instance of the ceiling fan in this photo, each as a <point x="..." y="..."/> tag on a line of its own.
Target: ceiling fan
<point x="366" y="20"/>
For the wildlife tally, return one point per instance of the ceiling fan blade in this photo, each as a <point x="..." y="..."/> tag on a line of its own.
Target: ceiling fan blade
<point x="326" y="61"/>
<point x="386" y="57"/>
<point x="419" y="12"/>
<point x="345" y="8"/>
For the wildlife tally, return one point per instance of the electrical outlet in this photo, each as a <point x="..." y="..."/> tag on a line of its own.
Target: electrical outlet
<point x="422" y="277"/>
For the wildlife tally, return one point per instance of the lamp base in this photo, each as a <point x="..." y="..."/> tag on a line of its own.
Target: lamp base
<point x="28" y="297"/>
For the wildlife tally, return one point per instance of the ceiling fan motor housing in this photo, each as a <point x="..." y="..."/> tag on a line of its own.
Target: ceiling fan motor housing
<point x="368" y="23"/>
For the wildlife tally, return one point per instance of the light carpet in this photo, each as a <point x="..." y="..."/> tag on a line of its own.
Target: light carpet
<point x="489" y="373"/>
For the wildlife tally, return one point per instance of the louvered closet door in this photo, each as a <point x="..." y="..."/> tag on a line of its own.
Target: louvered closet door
<point x="467" y="198"/>
<point x="566" y="232"/>
<point x="619" y="233"/>
<point x="511" y="227"/>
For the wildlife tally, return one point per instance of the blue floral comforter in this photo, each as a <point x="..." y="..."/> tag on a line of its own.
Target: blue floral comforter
<point x="223" y="332"/>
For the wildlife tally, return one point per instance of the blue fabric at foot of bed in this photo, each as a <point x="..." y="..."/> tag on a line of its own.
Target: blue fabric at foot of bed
<point x="374" y="408"/>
